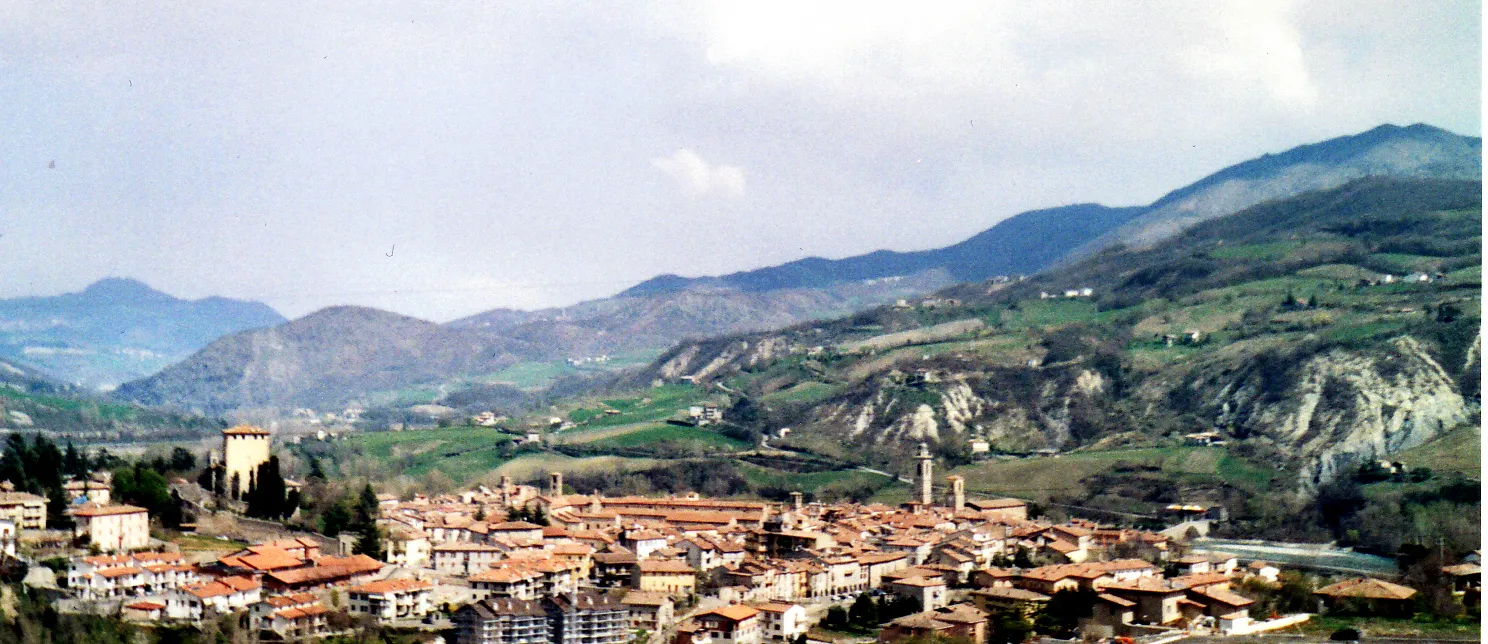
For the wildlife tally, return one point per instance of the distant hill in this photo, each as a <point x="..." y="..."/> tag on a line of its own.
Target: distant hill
<point x="1416" y="151"/>
<point x="1024" y="243"/>
<point x="329" y="358"/>
<point x="117" y="330"/>
<point x="1319" y="332"/>
<point x="315" y="362"/>
<point x="661" y="318"/>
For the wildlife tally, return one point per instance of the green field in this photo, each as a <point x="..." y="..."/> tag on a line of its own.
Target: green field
<point x="539" y="374"/>
<point x="459" y="452"/>
<point x="1042" y="477"/>
<point x="806" y="392"/>
<point x="674" y="435"/>
<point x="649" y="405"/>
<point x="805" y="480"/>
<point x="1456" y="451"/>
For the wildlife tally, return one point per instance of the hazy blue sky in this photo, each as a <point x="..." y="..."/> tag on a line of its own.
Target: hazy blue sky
<point x="440" y="159"/>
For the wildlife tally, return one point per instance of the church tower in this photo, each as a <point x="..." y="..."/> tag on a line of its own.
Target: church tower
<point x="926" y="474"/>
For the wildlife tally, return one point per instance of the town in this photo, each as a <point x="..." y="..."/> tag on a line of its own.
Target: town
<point x="527" y="564"/>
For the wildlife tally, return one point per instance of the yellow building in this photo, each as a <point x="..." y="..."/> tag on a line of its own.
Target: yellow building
<point x="244" y="448"/>
<point x="28" y="511"/>
<point x="672" y="577"/>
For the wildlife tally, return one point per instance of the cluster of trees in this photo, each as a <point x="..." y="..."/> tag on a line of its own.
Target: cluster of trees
<point x="142" y="486"/>
<point x="534" y="515"/>
<point x="866" y="613"/>
<point x="39" y="467"/>
<point x="358" y="516"/>
<point x="268" y="497"/>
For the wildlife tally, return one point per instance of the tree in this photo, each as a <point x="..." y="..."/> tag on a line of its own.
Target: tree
<point x="74" y="463"/>
<point x="863" y="613"/>
<point x="336" y="519"/>
<point x="369" y="540"/>
<point x="366" y="505"/>
<point x="266" y="499"/>
<point x="315" y="471"/>
<point x="1063" y="612"/>
<point x="1009" y="627"/>
<point x="45" y="467"/>
<point x="182" y="460"/>
<point x="148" y="489"/>
<point x="57" y="509"/>
<point x="836" y="619"/>
<point x="13" y="461"/>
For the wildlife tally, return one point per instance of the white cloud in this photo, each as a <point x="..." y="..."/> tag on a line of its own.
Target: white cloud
<point x="698" y="177"/>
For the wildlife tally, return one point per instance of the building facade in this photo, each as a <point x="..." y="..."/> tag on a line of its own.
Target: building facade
<point x="113" y="528"/>
<point x="244" y="448"/>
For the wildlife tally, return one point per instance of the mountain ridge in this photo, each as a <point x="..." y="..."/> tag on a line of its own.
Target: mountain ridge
<point x="117" y="329"/>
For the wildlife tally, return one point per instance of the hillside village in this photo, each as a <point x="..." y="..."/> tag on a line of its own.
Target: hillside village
<point x="523" y="564"/>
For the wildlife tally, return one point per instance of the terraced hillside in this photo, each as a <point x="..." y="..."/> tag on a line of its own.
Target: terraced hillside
<point x="1317" y="332"/>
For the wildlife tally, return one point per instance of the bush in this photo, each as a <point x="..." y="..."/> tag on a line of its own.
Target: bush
<point x="1345" y="635"/>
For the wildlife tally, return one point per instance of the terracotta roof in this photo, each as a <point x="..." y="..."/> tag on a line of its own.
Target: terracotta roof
<point x="1367" y="588"/>
<point x="734" y="612"/>
<point x="1016" y="594"/>
<point x="263" y="558"/>
<point x="327" y="569"/>
<point x="1124" y="603"/>
<point x="280" y="601"/>
<point x="922" y="621"/>
<point x="513" y="525"/>
<point x="639" y="598"/>
<point x="245" y="430"/>
<point x="923" y="582"/>
<point x="145" y="606"/>
<point x="1224" y="597"/>
<point x="392" y="586"/>
<point x="107" y="510"/>
<point x="1462" y="570"/>
<point x="238" y="583"/>
<point x="665" y="566"/>
<point x="960" y="614"/>
<point x="504" y="575"/>
<point x="301" y="612"/>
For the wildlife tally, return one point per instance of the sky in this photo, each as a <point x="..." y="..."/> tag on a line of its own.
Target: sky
<point x="441" y="159"/>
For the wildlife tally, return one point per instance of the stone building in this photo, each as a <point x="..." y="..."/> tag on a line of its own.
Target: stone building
<point x="244" y="448"/>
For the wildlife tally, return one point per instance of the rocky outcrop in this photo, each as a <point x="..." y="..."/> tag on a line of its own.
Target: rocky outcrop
<point x="1013" y="409"/>
<point x="1346" y="407"/>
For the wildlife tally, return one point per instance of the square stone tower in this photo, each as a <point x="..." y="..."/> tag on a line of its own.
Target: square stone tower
<point x="244" y="448"/>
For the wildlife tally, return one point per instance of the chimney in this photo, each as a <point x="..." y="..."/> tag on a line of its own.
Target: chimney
<point x="555" y="483"/>
<point x="798" y="501"/>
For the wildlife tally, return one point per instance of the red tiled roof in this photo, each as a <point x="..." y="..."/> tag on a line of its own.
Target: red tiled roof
<point x="106" y="510"/>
